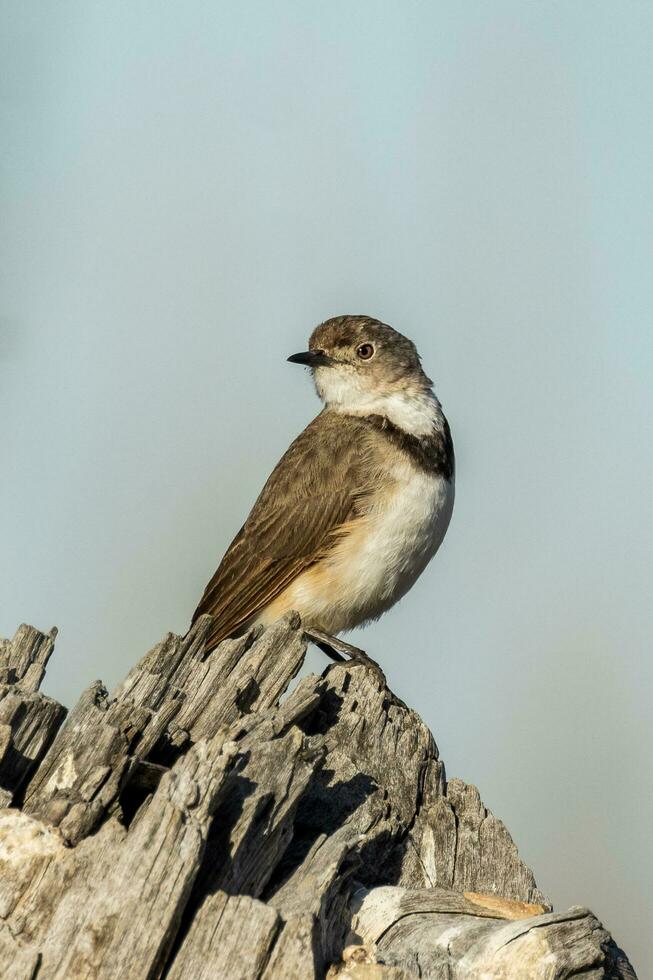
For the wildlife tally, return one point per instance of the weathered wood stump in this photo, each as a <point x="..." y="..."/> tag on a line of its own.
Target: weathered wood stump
<point x="204" y="823"/>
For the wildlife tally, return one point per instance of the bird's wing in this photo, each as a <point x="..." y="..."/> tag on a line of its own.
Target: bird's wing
<point x="319" y="485"/>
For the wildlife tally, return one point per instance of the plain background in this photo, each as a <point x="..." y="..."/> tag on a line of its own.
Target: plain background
<point x="187" y="189"/>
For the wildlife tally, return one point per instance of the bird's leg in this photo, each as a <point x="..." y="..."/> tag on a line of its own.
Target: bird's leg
<point x="342" y="652"/>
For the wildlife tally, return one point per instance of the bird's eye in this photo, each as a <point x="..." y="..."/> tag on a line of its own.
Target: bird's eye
<point x="365" y="351"/>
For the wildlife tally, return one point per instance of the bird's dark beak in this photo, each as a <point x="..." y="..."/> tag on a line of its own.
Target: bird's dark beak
<point x="313" y="358"/>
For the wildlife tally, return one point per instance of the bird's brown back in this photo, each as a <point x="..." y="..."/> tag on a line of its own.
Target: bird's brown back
<point x="319" y="485"/>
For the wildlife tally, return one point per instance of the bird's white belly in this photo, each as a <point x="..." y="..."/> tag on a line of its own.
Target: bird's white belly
<point x="376" y="562"/>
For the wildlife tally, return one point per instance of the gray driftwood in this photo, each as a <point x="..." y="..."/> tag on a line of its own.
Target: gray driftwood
<point x="209" y="820"/>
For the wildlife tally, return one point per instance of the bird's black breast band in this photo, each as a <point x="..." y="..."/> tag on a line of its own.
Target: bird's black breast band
<point x="433" y="453"/>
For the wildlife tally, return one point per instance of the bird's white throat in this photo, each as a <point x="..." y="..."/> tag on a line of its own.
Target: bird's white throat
<point x="415" y="410"/>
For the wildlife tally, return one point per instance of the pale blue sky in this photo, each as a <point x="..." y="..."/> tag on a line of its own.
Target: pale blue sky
<point x="186" y="190"/>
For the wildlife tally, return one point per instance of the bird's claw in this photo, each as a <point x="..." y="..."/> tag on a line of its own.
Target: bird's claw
<point x="342" y="652"/>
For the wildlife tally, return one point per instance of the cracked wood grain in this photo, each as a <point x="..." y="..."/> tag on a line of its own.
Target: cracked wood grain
<point x="29" y="720"/>
<point x="203" y="822"/>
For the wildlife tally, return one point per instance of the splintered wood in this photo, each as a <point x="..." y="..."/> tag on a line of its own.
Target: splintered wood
<point x="203" y="823"/>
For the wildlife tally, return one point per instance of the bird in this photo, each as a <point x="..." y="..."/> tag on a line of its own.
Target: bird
<point x="356" y="507"/>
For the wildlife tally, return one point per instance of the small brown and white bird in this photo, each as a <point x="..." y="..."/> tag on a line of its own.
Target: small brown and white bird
<point x="356" y="507"/>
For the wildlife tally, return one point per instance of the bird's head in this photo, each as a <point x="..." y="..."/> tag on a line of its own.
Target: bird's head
<point x="362" y="366"/>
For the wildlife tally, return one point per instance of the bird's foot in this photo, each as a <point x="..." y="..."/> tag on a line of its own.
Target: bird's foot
<point x="342" y="652"/>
